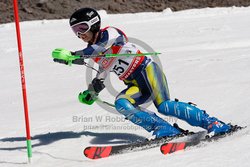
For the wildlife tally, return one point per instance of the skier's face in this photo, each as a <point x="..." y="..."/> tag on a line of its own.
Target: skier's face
<point x="87" y="37"/>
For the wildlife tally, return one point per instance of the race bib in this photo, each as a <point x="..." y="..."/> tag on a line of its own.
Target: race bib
<point x="124" y="67"/>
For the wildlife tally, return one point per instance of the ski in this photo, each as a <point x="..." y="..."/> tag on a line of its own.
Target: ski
<point x="172" y="147"/>
<point x="98" y="152"/>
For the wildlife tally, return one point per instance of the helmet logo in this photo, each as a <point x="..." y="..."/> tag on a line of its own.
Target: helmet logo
<point x="94" y="20"/>
<point x="72" y="20"/>
<point x="90" y="14"/>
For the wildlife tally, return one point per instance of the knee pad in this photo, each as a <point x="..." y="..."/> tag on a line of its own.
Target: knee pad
<point x="124" y="107"/>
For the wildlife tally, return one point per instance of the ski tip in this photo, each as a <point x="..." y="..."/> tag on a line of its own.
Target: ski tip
<point x="97" y="152"/>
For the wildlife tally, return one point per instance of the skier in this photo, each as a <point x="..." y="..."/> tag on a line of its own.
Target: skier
<point x="143" y="77"/>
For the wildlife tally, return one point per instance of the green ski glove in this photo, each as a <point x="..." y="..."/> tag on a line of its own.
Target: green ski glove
<point x="87" y="97"/>
<point x="63" y="56"/>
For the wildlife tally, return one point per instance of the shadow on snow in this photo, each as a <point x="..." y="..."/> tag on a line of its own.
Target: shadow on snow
<point x="99" y="138"/>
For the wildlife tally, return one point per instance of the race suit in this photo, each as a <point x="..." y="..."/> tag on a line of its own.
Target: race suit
<point x="145" y="81"/>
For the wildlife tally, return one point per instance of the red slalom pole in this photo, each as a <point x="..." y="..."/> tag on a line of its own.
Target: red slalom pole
<point x="25" y="102"/>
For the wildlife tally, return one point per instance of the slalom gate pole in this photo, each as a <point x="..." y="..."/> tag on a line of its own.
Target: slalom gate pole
<point x="25" y="102"/>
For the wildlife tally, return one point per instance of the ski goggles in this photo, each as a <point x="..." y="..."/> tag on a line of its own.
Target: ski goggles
<point x="84" y="26"/>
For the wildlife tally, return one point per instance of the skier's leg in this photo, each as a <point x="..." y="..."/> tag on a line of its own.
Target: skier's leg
<point x="126" y="104"/>
<point x="193" y="115"/>
<point x="133" y="94"/>
<point x="187" y="112"/>
<point x="149" y="121"/>
<point x="156" y="83"/>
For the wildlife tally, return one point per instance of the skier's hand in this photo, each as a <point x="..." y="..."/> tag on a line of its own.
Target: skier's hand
<point x="96" y="85"/>
<point x="63" y="56"/>
<point x="87" y="97"/>
<point x="60" y="61"/>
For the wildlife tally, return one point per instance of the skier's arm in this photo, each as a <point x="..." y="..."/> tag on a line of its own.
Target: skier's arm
<point x="95" y="87"/>
<point x="90" y="95"/>
<point x="67" y="57"/>
<point x="64" y="56"/>
<point x="108" y="39"/>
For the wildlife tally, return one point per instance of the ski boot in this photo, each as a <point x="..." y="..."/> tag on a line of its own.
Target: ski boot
<point x="216" y="127"/>
<point x="165" y="131"/>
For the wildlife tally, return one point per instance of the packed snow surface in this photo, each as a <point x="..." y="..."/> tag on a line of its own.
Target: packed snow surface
<point x="205" y="56"/>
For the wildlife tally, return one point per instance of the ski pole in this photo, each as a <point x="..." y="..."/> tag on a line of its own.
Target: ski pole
<point x="110" y="55"/>
<point x="112" y="105"/>
<point x="105" y="102"/>
<point x="64" y="54"/>
<point x="132" y="54"/>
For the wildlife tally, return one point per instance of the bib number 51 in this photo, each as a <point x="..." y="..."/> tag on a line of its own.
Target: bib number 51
<point x="120" y="67"/>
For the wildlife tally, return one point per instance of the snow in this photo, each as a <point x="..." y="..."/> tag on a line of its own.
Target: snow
<point x="205" y="55"/>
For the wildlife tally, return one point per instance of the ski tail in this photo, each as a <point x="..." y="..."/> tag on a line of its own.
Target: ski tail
<point x="97" y="152"/>
<point x="172" y="147"/>
<point x="169" y="148"/>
